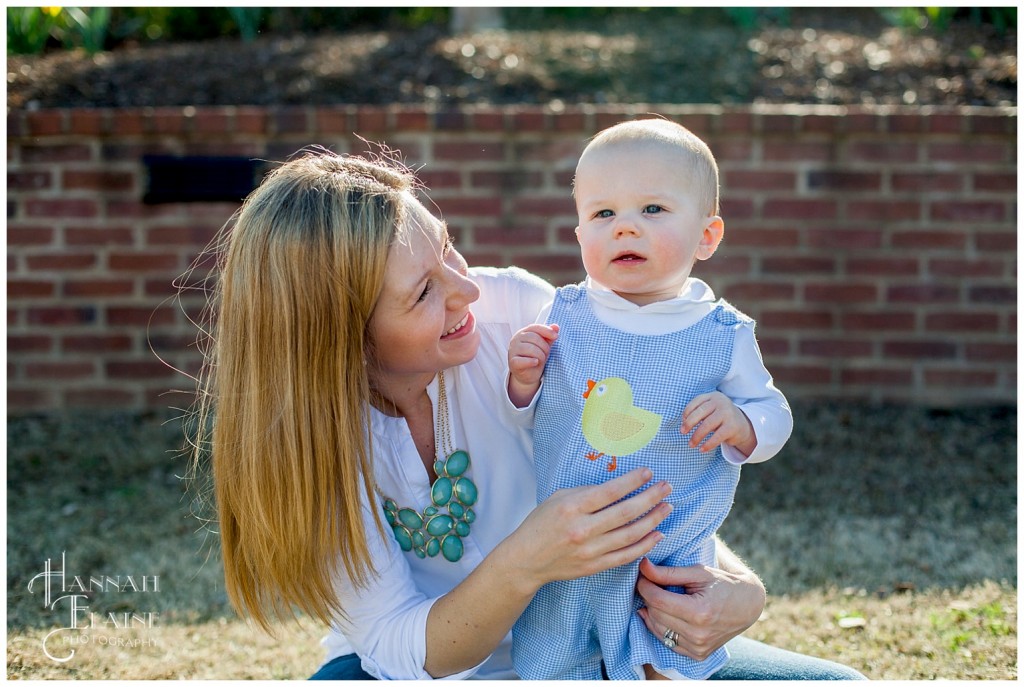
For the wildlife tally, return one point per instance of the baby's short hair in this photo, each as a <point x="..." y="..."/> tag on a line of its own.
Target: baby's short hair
<point x="703" y="165"/>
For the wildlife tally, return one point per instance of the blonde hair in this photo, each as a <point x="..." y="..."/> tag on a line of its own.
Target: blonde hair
<point x="698" y="154"/>
<point x="285" y="386"/>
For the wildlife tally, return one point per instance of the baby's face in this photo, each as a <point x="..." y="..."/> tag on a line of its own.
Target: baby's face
<point x="640" y="225"/>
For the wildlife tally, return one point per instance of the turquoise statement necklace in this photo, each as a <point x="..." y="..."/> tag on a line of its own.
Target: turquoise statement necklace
<point x="440" y="527"/>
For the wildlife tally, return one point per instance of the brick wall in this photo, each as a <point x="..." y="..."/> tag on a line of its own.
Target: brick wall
<point x="876" y="248"/>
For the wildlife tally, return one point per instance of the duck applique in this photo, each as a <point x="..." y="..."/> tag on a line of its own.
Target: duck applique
<point x="612" y="424"/>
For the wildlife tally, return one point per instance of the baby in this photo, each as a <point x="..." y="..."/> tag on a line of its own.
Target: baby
<point x="641" y="366"/>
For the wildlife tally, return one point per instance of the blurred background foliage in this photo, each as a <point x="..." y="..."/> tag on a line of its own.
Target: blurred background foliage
<point x="33" y="30"/>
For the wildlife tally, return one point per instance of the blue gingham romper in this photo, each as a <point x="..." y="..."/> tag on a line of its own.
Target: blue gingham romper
<point x="571" y="626"/>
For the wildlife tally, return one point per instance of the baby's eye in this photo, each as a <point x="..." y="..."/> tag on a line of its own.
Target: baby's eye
<point x="653" y="209"/>
<point x="604" y="214"/>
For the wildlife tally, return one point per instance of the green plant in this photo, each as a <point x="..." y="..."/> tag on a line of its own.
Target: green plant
<point x="248" y="21"/>
<point x="87" y="26"/>
<point x="939" y="18"/>
<point x="30" y="28"/>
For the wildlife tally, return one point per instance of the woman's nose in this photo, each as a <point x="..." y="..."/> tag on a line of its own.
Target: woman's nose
<point x="463" y="290"/>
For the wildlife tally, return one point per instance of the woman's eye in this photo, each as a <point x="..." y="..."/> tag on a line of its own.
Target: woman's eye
<point x="653" y="209"/>
<point x="426" y="290"/>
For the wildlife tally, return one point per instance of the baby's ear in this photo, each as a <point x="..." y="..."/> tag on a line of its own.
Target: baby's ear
<point x="714" y="230"/>
<point x="577" y="232"/>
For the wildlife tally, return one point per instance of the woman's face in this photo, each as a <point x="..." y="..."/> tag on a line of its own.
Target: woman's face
<point x="422" y="323"/>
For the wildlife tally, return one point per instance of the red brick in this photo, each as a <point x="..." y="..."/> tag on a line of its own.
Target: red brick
<point x="802" y="151"/>
<point x="564" y="151"/>
<point x="993" y="124"/>
<point x="919" y="349"/>
<point x="143" y="262"/>
<point x="888" y="321"/>
<point x="16" y="126"/>
<point x="885" y="267"/>
<point x="549" y="263"/>
<point x="929" y="239"/>
<point x="798" y="264"/>
<point x="963" y="322"/>
<point x="210" y="120"/>
<point x="489" y="120"/>
<point x="833" y="180"/>
<point x="88" y="122"/>
<point x="876" y="376"/>
<point x="54" y="207"/>
<point x="882" y="151"/>
<point x="804" y="318"/>
<point x="959" y="379"/>
<point x="736" y="123"/>
<point x="544" y="206"/>
<point x="733" y="209"/>
<point x="883" y="210"/>
<point x="137" y="369"/>
<point x="29" y="343"/>
<point x="727" y="151"/>
<point x="862" y="122"/>
<point x="906" y="124"/>
<point x="29" y="235"/>
<point x="100" y="397"/>
<point x="927" y="181"/>
<point x="61" y="315"/>
<point x="922" y="293"/>
<point x="128" y="122"/>
<point x="25" y="288"/>
<point x="369" y="118"/>
<point x="96" y="343"/>
<point x="408" y="119"/>
<point x="98" y="287"/>
<point x="507" y="181"/>
<point x="61" y="152"/>
<point x="529" y="120"/>
<point x="850" y="239"/>
<point x="46" y="122"/>
<point x="969" y="152"/>
<point x="183" y="235"/>
<point x="251" y="120"/>
<point x="841" y="293"/>
<point x="759" y="237"/>
<point x="98" y="236"/>
<point x="569" y="121"/>
<point x="29" y="399"/>
<point x="995" y="181"/>
<point x="992" y="352"/>
<point x="968" y="211"/>
<point x="290" y="120"/>
<point x="524" y="236"/>
<point x="799" y="208"/>
<point x="757" y="292"/>
<point x="819" y="124"/>
<point x="772" y="346"/>
<point x="480" y="150"/>
<point x="998" y="241"/>
<point x="835" y="348"/>
<point x="59" y="370"/>
<point x="946" y="123"/>
<point x="29" y="180"/>
<point x="98" y="180"/>
<point x="127" y="315"/>
<point x="992" y="294"/>
<point x="334" y="120"/>
<point x="962" y="267"/>
<point x="786" y="375"/>
<point x="464" y="205"/>
<point x="61" y="261"/>
<point x="759" y="180"/>
<point x="160" y="287"/>
<point x="168" y="120"/>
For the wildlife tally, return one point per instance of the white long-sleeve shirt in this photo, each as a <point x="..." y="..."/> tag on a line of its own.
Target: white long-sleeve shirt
<point x="387" y="619"/>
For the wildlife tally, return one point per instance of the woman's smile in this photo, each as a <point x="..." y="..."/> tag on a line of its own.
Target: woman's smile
<point x="461" y="328"/>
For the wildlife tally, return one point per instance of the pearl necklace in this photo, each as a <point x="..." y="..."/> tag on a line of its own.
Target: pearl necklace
<point x="440" y="527"/>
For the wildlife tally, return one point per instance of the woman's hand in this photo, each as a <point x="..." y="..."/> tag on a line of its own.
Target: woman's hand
<point x="578" y="531"/>
<point x="717" y="606"/>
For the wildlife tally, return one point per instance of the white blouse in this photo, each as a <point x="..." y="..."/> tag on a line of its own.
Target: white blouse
<point x="386" y="621"/>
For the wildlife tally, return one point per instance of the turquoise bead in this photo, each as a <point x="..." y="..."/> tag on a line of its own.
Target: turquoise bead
<point x="403" y="537"/>
<point x="410" y="518"/>
<point x="420" y="553"/>
<point x="470" y="516"/>
<point x="418" y="540"/>
<point x="429" y="510"/>
<point x="390" y="505"/>
<point x="456" y="463"/>
<point x="440" y="525"/>
<point x="465" y="491"/>
<point x="433" y="547"/>
<point x="390" y="515"/>
<point x="451" y="548"/>
<point x="441" y="492"/>
<point x="456" y="509"/>
<point x="462" y="528"/>
<point x="438" y="468"/>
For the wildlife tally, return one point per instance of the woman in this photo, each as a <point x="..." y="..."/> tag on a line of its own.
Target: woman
<point x="360" y="471"/>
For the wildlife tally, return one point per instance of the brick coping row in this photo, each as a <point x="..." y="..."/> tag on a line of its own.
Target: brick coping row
<point x="342" y="119"/>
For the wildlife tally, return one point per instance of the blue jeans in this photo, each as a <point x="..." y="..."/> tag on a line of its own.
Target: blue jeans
<point x="748" y="660"/>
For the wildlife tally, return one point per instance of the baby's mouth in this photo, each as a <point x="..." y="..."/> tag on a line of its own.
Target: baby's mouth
<point x="629" y="259"/>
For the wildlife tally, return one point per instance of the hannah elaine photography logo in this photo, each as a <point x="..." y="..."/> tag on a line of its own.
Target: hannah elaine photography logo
<point x="67" y="596"/>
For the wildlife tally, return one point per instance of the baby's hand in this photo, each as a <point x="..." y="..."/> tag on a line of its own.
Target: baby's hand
<point x="527" y="353"/>
<point x="716" y="413"/>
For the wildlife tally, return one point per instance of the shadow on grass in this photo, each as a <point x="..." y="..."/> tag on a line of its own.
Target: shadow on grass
<point x="875" y="498"/>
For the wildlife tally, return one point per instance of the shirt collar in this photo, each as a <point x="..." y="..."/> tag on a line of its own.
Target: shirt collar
<point x="694" y="291"/>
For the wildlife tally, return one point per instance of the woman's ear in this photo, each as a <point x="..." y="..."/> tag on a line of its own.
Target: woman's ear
<point x="714" y="230"/>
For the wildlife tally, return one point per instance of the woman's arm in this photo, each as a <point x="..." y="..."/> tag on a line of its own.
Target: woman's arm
<point x="574" y="533"/>
<point x="719" y="603"/>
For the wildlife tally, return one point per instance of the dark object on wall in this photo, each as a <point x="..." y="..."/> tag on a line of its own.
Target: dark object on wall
<point x="200" y="179"/>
